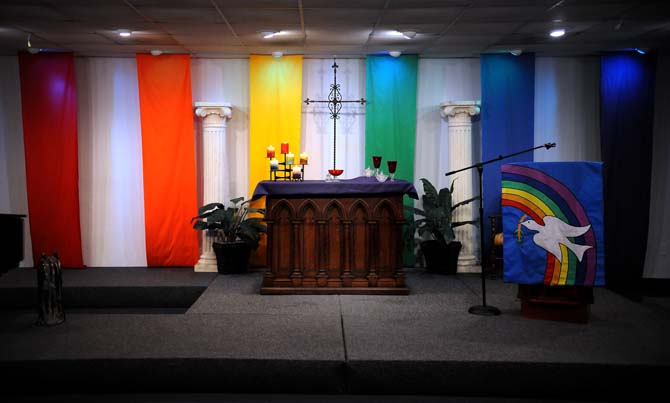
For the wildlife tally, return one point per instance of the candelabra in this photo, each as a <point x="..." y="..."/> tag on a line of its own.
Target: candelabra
<point x="287" y="170"/>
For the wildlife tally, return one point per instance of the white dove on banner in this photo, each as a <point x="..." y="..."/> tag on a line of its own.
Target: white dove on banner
<point x="555" y="232"/>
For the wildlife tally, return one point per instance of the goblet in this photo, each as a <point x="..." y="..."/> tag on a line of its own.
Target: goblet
<point x="392" y="167"/>
<point x="377" y="162"/>
<point x="335" y="173"/>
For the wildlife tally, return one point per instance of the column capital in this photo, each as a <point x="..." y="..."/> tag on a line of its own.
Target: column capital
<point x="223" y="109"/>
<point x="453" y="108"/>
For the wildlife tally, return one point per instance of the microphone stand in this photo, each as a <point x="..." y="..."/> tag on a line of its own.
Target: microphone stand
<point x="483" y="309"/>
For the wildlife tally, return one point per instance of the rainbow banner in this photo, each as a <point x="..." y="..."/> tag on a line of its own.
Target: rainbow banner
<point x="553" y="223"/>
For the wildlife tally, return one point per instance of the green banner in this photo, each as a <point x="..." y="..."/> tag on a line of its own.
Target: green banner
<point x="390" y="115"/>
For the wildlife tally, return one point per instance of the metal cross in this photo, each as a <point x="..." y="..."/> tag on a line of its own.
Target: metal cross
<point x="334" y="105"/>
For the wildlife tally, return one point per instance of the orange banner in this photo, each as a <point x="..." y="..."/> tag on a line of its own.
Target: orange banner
<point x="168" y="158"/>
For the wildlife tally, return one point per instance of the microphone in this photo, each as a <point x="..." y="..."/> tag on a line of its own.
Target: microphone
<point x="549" y="145"/>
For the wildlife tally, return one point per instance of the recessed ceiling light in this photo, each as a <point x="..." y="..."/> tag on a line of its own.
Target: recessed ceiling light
<point x="156" y="52"/>
<point x="408" y="34"/>
<point x="124" y="33"/>
<point x="33" y="51"/>
<point x="395" y="53"/>
<point x="516" y="52"/>
<point x="277" y="54"/>
<point x="641" y="51"/>
<point x="557" y="33"/>
<point x="268" y="34"/>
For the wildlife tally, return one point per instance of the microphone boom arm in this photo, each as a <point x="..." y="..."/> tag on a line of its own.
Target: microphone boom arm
<point x="501" y="157"/>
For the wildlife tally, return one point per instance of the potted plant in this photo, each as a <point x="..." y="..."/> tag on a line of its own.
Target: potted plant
<point x="436" y="228"/>
<point x="235" y="233"/>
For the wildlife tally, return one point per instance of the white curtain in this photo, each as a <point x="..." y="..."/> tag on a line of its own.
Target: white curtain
<point x="440" y="81"/>
<point x="13" y="195"/>
<point x="111" y="193"/>
<point x="317" y="127"/>
<point x="225" y="80"/>
<point x="656" y="261"/>
<point x="567" y="108"/>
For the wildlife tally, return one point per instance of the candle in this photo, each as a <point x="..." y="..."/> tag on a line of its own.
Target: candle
<point x="289" y="157"/>
<point x="303" y="158"/>
<point x="284" y="148"/>
<point x="270" y="151"/>
<point x="274" y="164"/>
<point x="297" y="173"/>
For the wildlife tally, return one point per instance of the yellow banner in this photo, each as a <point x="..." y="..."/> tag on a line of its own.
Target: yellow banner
<point x="275" y="102"/>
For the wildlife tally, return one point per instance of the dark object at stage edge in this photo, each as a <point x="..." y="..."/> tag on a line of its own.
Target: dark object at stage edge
<point x="11" y="241"/>
<point x="50" y="291"/>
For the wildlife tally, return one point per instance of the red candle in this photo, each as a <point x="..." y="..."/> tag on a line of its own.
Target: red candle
<point x="284" y="148"/>
<point x="270" y="152"/>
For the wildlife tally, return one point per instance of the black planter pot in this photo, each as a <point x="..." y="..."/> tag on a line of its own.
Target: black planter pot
<point x="232" y="257"/>
<point x="441" y="258"/>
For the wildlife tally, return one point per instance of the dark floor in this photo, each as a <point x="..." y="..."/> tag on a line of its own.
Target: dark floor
<point x="171" y="330"/>
<point x="257" y="398"/>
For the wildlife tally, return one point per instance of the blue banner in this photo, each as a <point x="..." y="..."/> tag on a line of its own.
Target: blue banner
<point x="508" y="93"/>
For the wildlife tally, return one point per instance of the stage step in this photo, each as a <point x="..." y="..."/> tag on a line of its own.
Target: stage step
<point x="110" y="288"/>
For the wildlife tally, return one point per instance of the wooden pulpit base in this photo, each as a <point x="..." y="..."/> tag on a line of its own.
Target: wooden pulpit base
<point x="559" y="303"/>
<point x="343" y="245"/>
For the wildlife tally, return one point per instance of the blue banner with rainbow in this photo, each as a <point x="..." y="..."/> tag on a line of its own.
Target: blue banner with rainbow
<point x="553" y="223"/>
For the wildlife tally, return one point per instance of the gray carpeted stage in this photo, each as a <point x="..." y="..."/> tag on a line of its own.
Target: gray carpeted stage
<point x="173" y="330"/>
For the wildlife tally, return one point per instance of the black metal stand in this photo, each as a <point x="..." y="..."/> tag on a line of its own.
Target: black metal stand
<point x="483" y="309"/>
<point x="285" y="173"/>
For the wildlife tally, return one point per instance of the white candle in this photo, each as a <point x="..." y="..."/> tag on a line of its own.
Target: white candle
<point x="290" y="157"/>
<point x="297" y="173"/>
<point x="274" y="164"/>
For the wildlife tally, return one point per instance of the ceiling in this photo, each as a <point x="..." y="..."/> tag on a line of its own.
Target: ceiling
<point x="326" y="28"/>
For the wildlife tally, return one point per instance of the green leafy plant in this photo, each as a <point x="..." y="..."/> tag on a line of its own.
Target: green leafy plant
<point x="436" y="220"/>
<point x="231" y="224"/>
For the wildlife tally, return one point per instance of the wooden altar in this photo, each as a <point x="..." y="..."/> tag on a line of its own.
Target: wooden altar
<point x="335" y="238"/>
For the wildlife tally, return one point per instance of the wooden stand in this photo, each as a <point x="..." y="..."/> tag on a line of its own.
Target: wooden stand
<point x="344" y="245"/>
<point x="559" y="303"/>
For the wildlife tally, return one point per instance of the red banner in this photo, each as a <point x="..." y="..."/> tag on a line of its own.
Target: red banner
<point x="49" y="107"/>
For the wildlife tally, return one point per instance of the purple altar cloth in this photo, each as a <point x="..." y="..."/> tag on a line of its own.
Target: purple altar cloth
<point x="361" y="185"/>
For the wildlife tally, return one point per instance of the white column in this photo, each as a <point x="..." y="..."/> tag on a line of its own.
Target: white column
<point x="459" y="116"/>
<point x="215" y="115"/>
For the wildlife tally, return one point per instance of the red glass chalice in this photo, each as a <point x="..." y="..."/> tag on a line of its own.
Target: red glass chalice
<point x="376" y="162"/>
<point x="335" y="172"/>
<point x="392" y="167"/>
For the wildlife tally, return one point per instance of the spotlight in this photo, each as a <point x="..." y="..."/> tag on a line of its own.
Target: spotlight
<point x="408" y="34"/>
<point x="124" y="33"/>
<point x="557" y="33"/>
<point x="516" y="52"/>
<point x="29" y="35"/>
<point x="395" y="53"/>
<point x="641" y="51"/>
<point x="156" y="52"/>
<point x="277" y="54"/>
